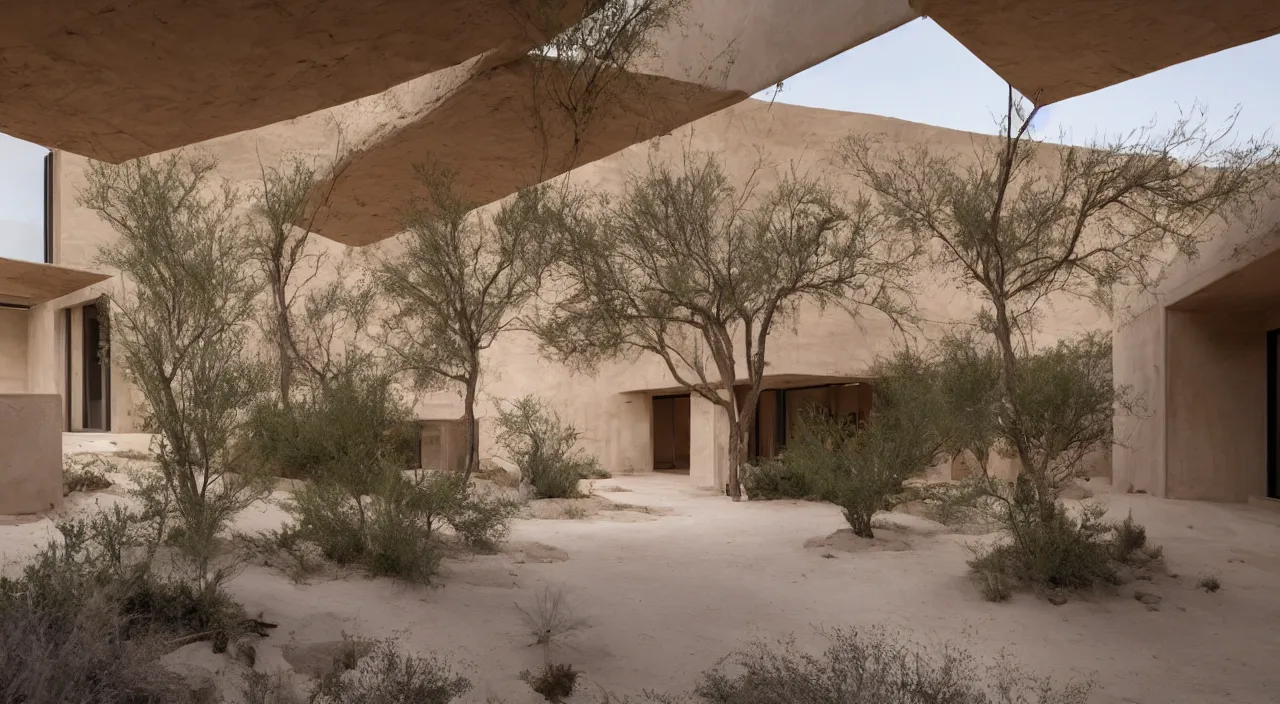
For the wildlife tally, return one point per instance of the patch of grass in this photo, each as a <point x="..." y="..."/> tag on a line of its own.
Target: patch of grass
<point x="1210" y="583"/>
<point x="573" y="512"/>
<point x="1057" y="553"/>
<point x="550" y="617"/>
<point x="136" y="455"/>
<point x="555" y="682"/>
<point x="387" y="676"/>
<point x="84" y="474"/>
<point x="619" y="506"/>
<point x="873" y="666"/>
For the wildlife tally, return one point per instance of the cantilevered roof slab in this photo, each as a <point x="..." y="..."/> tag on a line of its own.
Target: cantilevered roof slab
<point x="28" y="283"/>
<point x="118" y="79"/>
<point x="485" y="126"/>
<point x="1050" y="50"/>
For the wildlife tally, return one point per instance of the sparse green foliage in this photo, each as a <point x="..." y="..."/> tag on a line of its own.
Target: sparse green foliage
<point x="84" y="474"/>
<point x="544" y="447"/>
<point x="588" y="68"/>
<point x="87" y="620"/>
<point x="182" y="322"/>
<point x="686" y="266"/>
<point x="387" y="676"/>
<point x="1210" y="583"/>
<point x="862" y="469"/>
<point x="554" y="681"/>
<point x="775" y="478"/>
<point x="1063" y="553"/>
<point x="1024" y="220"/>
<point x="461" y="281"/>
<point x="344" y="428"/>
<point x="874" y="667"/>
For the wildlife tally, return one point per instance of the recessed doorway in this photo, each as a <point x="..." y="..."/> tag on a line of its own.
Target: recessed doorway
<point x="87" y="337"/>
<point x="671" y="433"/>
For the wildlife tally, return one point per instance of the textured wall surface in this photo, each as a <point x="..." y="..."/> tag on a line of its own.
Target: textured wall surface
<point x="30" y="453"/>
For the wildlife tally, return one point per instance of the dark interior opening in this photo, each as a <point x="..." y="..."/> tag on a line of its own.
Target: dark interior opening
<point x="671" y="433"/>
<point x="97" y="380"/>
<point x="1273" y="417"/>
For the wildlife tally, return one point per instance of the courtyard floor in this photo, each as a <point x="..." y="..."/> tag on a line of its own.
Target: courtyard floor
<point x="666" y="595"/>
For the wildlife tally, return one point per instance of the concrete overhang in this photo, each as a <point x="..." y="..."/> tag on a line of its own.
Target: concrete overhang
<point x="1254" y="286"/>
<point x="29" y="283"/>
<point x="119" y="80"/>
<point x="1051" y="50"/>
<point x="491" y="126"/>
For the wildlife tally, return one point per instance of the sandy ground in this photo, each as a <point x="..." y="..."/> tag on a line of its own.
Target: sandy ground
<point x="666" y="595"/>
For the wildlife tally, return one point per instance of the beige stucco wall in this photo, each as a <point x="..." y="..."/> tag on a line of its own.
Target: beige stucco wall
<point x="1198" y="370"/>
<point x="30" y="453"/>
<point x="611" y="408"/>
<point x="13" y="350"/>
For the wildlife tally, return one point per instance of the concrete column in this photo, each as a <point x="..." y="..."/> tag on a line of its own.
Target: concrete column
<point x="630" y="444"/>
<point x="708" y="444"/>
<point x="30" y="453"/>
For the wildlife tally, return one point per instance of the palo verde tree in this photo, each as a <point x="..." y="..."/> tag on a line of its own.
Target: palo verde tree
<point x="1023" y="220"/>
<point x="686" y="266"/>
<point x="462" y="279"/>
<point x="309" y="324"/>
<point x="183" y="321"/>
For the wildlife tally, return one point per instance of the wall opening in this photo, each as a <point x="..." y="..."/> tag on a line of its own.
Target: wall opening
<point x="671" y="433"/>
<point x="780" y="413"/>
<point x="97" y="378"/>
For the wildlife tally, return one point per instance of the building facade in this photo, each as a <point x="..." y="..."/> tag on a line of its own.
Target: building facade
<point x="632" y="414"/>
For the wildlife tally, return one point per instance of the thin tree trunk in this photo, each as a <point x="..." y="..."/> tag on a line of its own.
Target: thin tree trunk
<point x="1004" y="336"/>
<point x="473" y="434"/>
<point x="736" y="452"/>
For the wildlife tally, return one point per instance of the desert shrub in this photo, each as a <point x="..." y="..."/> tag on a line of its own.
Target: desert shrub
<point x="387" y="676"/>
<point x="774" y="479"/>
<point x="953" y="503"/>
<point x="544" y="447"/>
<point x="182" y="325"/>
<point x="873" y="667"/>
<point x="550" y="617"/>
<point x="88" y="620"/>
<point x="1210" y="583"/>
<point x="554" y="681"/>
<point x="482" y="520"/>
<point x="403" y="527"/>
<point x="336" y="428"/>
<point x="1060" y="552"/>
<point x="84" y="474"/>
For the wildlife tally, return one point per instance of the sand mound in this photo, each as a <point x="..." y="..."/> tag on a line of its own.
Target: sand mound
<point x="886" y="540"/>
<point x="592" y="508"/>
<point x="530" y="551"/>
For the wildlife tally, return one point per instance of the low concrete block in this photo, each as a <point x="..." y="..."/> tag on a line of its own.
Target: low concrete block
<point x="30" y="453"/>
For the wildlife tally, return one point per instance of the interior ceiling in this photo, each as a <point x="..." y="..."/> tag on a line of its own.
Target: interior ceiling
<point x="1255" y="286"/>
<point x="118" y="79"/>
<point x="28" y="283"/>
<point x="1050" y="50"/>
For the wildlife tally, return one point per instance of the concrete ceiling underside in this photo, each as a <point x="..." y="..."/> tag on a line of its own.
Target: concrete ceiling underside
<point x="118" y="79"/>
<point x="1255" y="286"/>
<point x="1051" y="50"/>
<point x="29" y="283"/>
<point x="502" y="129"/>
<point x="494" y="133"/>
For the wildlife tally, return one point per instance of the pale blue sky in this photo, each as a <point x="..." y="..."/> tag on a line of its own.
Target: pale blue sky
<point x="917" y="72"/>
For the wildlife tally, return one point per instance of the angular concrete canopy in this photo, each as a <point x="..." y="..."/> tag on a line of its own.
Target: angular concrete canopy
<point x="117" y="80"/>
<point x="28" y="283"/>
<point x="482" y="121"/>
<point x="1050" y="50"/>
<point x="1255" y="286"/>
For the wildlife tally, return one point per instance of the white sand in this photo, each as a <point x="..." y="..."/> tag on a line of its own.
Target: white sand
<point x="667" y="597"/>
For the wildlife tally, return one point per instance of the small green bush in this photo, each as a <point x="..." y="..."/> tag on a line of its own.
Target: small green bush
<point x="873" y="667"/>
<point x="544" y="447"/>
<point x="554" y="681"/>
<point x="84" y="474"/>
<point x="387" y="676"/>
<point x="775" y="479"/>
<point x="1058" y="552"/>
<point x="87" y="620"/>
